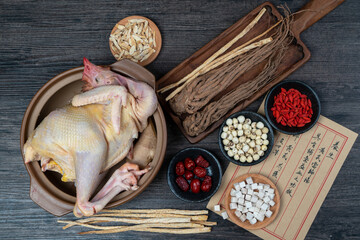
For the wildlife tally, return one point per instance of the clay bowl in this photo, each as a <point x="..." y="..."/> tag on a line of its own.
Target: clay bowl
<point x="257" y="178"/>
<point x="158" y="39"/>
<point x="46" y="188"/>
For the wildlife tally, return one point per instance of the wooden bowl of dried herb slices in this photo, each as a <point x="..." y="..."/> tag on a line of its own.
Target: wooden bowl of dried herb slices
<point x="135" y="38"/>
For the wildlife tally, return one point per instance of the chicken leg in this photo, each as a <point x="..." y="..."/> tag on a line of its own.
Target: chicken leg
<point x="88" y="167"/>
<point x="123" y="179"/>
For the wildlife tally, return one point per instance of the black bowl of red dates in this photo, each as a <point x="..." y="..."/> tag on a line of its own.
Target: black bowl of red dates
<point x="292" y="107"/>
<point x="194" y="174"/>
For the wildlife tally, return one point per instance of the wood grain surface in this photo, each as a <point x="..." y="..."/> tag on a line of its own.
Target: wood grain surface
<point x="40" y="39"/>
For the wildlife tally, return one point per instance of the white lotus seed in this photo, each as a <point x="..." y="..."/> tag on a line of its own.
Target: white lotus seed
<point x="264" y="148"/>
<point x="226" y="148"/>
<point x="235" y="140"/>
<point x="249" y="159"/>
<point x="235" y="125"/>
<point x="247" y="132"/>
<point x="253" y="125"/>
<point x="265" y="130"/>
<point x="226" y="142"/>
<point x="231" y="128"/>
<point x="253" y="136"/>
<point x="237" y="157"/>
<point x="260" y="125"/>
<point x="242" y="158"/>
<point x="235" y="121"/>
<point x="229" y="122"/>
<point x="256" y="157"/>
<point x="264" y="136"/>
<point x="226" y="128"/>
<point x="248" y="140"/>
<point x="241" y="119"/>
<point x="259" y="142"/>
<point x="257" y="148"/>
<point x="223" y="135"/>
<point x="251" y="151"/>
<point x="246" y="126"/>
<point x="258" y="132"/>
<point x="242" y="139"/>
<point x="245" y="148"/>
<point x="230" y="153"/>
<point x="253" y="130"/>
<point x="240" y="133"/>
<point x="230" y="137"/>
<point x="266" y="142"/>
<point x="252" y="144"/>
<point x="240" y="152"/>
<point x="239" y="126"/>
<point x="248" y="121"/>
<point x="261" y="153"/>
<point x="234" y="133"/>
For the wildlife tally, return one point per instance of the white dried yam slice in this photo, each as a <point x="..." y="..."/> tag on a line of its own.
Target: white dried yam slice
<point x="132" y="49"/>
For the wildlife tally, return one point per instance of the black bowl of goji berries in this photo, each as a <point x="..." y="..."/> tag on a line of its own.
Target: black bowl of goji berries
<point x="292" y="107"/>
<point x="194" y="174"/>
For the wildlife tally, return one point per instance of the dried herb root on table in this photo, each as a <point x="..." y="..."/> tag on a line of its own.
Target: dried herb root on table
<point x="145" y="220"/>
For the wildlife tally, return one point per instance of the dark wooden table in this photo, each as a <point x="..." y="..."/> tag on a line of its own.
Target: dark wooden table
<point x="40" y="39"/>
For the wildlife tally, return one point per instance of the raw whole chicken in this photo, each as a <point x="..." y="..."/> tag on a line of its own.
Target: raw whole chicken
<point x="83" y="140"/>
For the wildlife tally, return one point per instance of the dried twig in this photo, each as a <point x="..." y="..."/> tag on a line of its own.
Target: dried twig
<point x="127" y="220"/>
<point x="214" y="56"/>
<point x="173" y="211"/>
<point x="200" y="120"/>
<point x="219" y="61"/>
<point x="159" y="215"/>
<point x="156" y="230"/>
<point x="150" y="220"/>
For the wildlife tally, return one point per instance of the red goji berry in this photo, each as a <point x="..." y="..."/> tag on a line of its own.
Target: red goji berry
<point x="292" y="108"/>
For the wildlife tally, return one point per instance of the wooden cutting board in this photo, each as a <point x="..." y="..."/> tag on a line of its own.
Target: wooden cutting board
<point x="296" y="55"/>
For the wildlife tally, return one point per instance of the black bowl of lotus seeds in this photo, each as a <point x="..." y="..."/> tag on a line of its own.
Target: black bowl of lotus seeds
<point x="246" y="138"/>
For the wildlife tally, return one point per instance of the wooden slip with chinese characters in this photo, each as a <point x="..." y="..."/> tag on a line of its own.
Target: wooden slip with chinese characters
<point x="303" y="167"/>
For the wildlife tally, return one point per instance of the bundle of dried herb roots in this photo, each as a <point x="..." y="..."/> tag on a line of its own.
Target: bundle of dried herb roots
<point x="146" y="220"/>
<point x="194" y="98"/>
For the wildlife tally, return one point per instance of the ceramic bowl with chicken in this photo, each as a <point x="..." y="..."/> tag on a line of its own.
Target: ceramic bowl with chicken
<point x="48" y="188"/>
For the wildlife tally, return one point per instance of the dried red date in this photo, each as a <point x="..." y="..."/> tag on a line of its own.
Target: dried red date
<point x="180" y="168"/>
<point x="195" y="185"/>
<point x="189" y="164"/>
<point x="205" y="187"/>
<point x="182" y="183"/>
<point x="207" y="178"/>
<point x="200" y="172"/>
<point x="189" y="175"/>
<point x="206" y="184"/>
<point x="200" y="161"/>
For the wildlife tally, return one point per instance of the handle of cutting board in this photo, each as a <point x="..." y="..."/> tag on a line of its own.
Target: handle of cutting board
<point x="312" y="12"/>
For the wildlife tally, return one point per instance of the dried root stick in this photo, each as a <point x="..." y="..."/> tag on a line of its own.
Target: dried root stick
<point x="156" y="230"/>
<point x="215" y="55"/>
<point x="170" y="211"/>
<point x="127" y="220"/>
